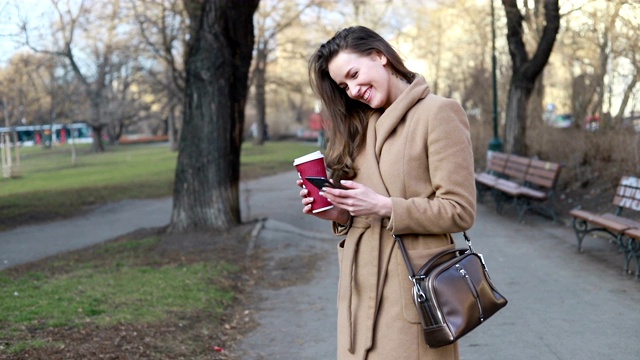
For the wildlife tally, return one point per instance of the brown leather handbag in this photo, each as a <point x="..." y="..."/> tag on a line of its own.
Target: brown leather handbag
<point x="453" y="293"/>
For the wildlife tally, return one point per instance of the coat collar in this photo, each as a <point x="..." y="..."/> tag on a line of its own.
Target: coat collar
<point x="386" y="123"/>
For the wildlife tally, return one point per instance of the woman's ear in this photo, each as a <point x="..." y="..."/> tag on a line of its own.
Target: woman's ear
<point x="379" y="56"/>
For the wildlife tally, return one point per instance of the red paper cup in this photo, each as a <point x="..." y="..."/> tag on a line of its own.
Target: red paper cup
<point x="313" y="165"/>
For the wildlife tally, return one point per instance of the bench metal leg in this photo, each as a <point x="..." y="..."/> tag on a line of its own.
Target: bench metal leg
<point x="525" y="205"/>
<point x="632" y="251"/>
<point x="502" y="198"/>
<point x="522" y="205"/>
<point x="480" y="191"/>
<point x="581" y="228"/>
<point x="499" y="200"/>
<point x="630" y="248"/>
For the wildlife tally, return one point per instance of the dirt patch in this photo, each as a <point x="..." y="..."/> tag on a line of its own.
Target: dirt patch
<point x="189" y="335"/>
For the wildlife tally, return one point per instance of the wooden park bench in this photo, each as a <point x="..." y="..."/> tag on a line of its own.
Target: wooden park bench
<point x="537" y="190"/>
<point x="486" y="180"/>
<point x="622" y="230"/>
<point x="528" y="183"/>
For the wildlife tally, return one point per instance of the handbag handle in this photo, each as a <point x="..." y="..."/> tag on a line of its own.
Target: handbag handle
<point x="417" y="289"/>
<point x="405" y="255"/>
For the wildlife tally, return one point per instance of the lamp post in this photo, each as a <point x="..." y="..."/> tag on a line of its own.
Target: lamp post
<point x="495" y="144"/>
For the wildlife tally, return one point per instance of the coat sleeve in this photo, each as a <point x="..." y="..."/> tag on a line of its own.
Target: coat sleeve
<point x="451" y="205"/>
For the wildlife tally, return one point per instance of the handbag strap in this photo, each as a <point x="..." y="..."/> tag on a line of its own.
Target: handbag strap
<point x="405" y="255"/>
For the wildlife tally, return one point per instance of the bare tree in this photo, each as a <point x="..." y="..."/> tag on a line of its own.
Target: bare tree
<point x="525" y="69"/>
<point x="629" y="48"/>
<point x="123" y="104"/>
<point x="606" y="32"/>
<point x="164" y="28"/>
<point x="579" y="54"/>
<point x="20" y="92"/>
<point x="91" y="54"/>
<point x="271" y="19"/>
<point x="206" y="191"/>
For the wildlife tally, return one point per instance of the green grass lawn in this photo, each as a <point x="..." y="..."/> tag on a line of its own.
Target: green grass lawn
<point x="99" y="289"/>
<point x="51" y="187"/>
<point x="128" y="281"/>
<point x="106" y="295"/>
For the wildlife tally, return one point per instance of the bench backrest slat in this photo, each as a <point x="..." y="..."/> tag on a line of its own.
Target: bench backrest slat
<point x="628" y="193"/>
<point x="497" y="162"/>
<point x="516" y="167"/>
<point x="543" y="173"/>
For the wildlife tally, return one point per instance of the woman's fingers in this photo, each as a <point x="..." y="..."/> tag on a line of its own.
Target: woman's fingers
<point x="306" y="200"/>
<point x="307" y="209"/>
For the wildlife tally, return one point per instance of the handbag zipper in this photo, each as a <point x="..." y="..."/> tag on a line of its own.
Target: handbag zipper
<point x="473" y="289"/>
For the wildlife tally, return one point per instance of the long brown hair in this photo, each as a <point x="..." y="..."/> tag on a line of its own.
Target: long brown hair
<point x="346" y="119"/>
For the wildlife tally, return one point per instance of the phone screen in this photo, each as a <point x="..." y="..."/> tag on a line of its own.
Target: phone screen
<point x="320" y="182"/>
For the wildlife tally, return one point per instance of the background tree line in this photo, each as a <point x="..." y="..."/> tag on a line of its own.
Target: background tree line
<point x="122" y="62"/>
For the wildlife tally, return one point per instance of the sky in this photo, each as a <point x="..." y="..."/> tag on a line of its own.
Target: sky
<point x="6" y="28"/>
<point x="11" y="13"/>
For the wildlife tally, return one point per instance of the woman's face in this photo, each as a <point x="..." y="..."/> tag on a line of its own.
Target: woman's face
<point x="364" y="77"/>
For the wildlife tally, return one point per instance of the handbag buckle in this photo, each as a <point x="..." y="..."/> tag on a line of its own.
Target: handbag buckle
<point x="420" y="296"/>
<point x="462" y="271"/>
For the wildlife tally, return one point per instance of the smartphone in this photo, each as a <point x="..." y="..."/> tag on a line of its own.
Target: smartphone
<point x="321" y="182"/>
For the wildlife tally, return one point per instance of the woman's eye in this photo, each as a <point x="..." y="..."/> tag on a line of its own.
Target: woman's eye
<point x="354" y="75"/>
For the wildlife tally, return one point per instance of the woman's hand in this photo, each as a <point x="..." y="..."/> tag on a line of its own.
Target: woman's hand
<point x="358" y="199"/>
<point x="336" y="214"/>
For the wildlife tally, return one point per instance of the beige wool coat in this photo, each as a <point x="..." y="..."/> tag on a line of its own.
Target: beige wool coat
<point x="419" y="153"/>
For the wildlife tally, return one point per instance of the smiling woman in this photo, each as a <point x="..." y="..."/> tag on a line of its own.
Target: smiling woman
<point x="395" y="148"/>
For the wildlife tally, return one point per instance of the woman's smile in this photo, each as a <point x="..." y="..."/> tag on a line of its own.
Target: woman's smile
<point x="366" y="95"/>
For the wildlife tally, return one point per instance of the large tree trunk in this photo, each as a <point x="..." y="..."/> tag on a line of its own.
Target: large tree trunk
<point x="525" y="69"/>
<point x="206" y="191"/>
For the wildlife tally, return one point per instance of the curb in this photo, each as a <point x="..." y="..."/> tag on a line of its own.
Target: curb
<point x="254" y="237"/>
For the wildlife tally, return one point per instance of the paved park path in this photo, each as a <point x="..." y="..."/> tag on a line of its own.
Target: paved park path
<point x="562" y="304"/>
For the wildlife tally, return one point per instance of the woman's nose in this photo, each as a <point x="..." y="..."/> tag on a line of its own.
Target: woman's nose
<point x="353" y="91"/>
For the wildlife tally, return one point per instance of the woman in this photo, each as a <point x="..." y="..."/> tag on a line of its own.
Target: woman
<point x="404" y="156"/>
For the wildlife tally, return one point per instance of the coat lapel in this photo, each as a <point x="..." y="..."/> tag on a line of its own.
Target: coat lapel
<point x="389" y="120"/>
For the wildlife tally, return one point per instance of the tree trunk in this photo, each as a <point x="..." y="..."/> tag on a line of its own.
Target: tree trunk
<point x="525" y="70"/>
<point x="260" y="84"/>
<point x="96" y="134"/>
<point x="625" y="98"/>
<point x="171" y="128"/>
<point x="516" y="127"/>
<point x="582" y="92"/>
<point x="206" y="191"/>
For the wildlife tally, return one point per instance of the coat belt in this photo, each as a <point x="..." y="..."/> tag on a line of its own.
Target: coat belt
<point x="368" y="284"/>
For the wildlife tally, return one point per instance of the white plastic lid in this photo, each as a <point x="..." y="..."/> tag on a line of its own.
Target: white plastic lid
<point x="303" y="159"/>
